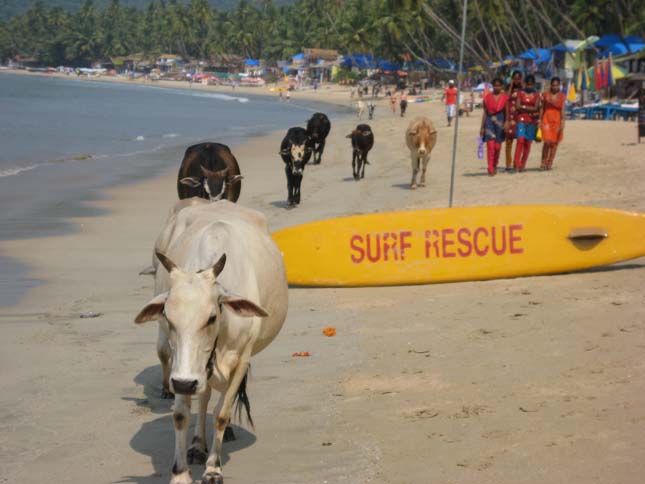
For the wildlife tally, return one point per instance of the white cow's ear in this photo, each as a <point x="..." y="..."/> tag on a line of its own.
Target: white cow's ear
<point x="191" y="181"/>
<point x="153" y="310"/>
<point x="242" y="307"/>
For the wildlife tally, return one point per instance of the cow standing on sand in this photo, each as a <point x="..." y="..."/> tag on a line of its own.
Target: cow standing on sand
<point x="221" y="298"/>
<point x="421" y="136"/>
<point x="362" y="142"/>
<point x="318" y="128"/>
<point x="210" y="171"/>
<point x="295" y="151"/>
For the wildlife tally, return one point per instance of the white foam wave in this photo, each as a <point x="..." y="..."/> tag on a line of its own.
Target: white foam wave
<point x="139" y="138"/>
<point x="14" y="171"/>
<point x="170" y="135"/>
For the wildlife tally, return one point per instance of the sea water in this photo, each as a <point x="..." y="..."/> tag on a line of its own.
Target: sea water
<point x="63" y="140"/>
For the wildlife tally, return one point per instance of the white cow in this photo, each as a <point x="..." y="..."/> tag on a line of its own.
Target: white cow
<point x="221" y="298"/>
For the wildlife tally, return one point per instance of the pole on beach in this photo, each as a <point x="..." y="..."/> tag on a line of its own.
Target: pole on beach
<point x="459" y="81"/>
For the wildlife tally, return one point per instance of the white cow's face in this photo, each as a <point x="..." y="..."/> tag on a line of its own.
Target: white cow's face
<point x="191" y="311"/>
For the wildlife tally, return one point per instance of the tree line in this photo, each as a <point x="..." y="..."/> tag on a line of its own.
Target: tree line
<point x="390" y="29"/>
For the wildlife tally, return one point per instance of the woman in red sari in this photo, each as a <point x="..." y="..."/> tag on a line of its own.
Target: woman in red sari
<point x="511" y="113"/>
<point x="492" y="127"/>
<point x="552" y="115"/>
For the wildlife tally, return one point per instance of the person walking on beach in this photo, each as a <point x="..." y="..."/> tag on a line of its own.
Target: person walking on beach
<point x="393" y="103"/>
<point x="528" y="121"/>
<point x="404" y="102"/>
<point x="492" y="127"/>
<point x="450" y="97"/>
<point x="552" y="116"/>
<point x="511" y="115"/>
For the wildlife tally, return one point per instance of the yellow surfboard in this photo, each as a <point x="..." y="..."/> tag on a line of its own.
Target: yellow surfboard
<point x="458" y="244"/>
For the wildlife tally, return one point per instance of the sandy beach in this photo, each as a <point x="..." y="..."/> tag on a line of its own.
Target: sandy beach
<point x="527" y="380"/>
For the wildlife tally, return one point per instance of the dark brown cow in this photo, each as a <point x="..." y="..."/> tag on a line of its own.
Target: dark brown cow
<point x="362" y="142"/>
<point x="209" y="170"/>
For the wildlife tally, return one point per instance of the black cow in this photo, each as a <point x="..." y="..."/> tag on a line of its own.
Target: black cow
<point x="210" y="171"/>
<point x="295" y="151"/>
<point x="318" y="128"/>
<point x="362" y="141"/>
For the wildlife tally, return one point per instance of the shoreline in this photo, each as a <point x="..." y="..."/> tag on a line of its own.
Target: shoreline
<point x="470" y="382"/>
<point x="85" y="206"/>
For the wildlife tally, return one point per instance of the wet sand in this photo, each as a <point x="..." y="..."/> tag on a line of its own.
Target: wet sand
<point x="526" y="380"/>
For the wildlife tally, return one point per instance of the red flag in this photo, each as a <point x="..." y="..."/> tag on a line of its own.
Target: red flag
<point x="597" y="80"/>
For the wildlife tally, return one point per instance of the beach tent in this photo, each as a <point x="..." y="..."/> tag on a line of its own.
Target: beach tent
<point x="385" y="65"/>
<point x="482" y="86"/>
<point x="252" y="62"/>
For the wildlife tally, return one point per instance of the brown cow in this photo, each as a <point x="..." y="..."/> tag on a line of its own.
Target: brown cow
<point x="421" y="136"/>
<point x="210" y="171"/>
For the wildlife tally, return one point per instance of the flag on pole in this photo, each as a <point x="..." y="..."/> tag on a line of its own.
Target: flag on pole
<point x="584" y="82"/>
<point x="603" y="74"/>
<point x="596" y="76"/>
<point x="609" y="78"/>
<point x="571" y="93"/>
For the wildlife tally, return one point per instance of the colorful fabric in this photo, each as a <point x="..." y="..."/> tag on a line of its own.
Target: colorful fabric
<point x="526" y="131"/>
<point x="495" y="107"/>
<point x="512" y="115"/>
<point x="552" y="117"/>
<point x="528" y="100"/>
<point x="493" y="150"/>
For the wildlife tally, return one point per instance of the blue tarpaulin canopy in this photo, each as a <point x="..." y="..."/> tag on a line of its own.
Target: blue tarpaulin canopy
<point x="387" y="66"/>
<point x="539" y="56"/>
<point x="622" y="49"/>
<point x="362" y="61"/>
<point x="252" y="62"/>
<point x="300" y="56"/>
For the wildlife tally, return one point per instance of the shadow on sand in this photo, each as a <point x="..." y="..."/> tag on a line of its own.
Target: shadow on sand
<point x="280" y="204"/>
<point x="402" y="186"/>
<point x="156" y="438"/>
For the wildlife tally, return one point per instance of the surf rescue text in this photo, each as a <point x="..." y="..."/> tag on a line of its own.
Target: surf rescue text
<point x="437" y="243"/>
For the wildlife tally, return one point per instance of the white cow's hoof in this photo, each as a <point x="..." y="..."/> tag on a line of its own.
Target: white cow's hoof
<point x="422" y="184"/>
<point x="413" y="186"/>
<point x="183" y="478"/>
<point x="213" y="478"/>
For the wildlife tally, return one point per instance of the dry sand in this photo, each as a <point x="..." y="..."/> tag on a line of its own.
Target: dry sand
<point x="529" y="380"/>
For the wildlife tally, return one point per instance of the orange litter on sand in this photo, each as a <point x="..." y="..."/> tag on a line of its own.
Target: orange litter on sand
<point x="301" y="353"/>
<point x="329" y="331"/>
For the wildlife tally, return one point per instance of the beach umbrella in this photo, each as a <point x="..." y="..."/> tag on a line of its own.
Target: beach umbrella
<point x="583" y="81"/>
<point x="571" y="93"/>
<point x="594" y="73"/>
<point x="609" y="78"/>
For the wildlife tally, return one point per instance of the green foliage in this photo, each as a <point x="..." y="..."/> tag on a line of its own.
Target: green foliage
<point x="100" y="30"/>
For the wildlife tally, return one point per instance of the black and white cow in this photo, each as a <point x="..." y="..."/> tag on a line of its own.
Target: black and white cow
<point x="318" y="128"/>
<point x="209" y="170"/>
<point x="362" y="141"/>
<point x="295" y="151"/>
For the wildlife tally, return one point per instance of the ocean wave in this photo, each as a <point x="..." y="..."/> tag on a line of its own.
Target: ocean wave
<point x="18" y="169"/>
<point x="139" y="138"/>
<point x="170" y="135"/>
<point x="209" y="95"/>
